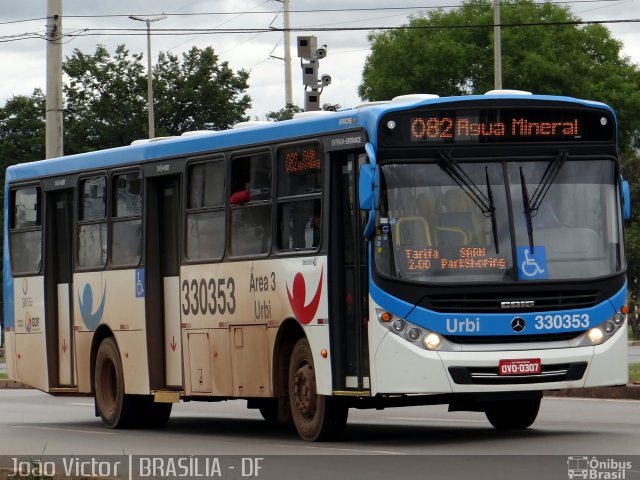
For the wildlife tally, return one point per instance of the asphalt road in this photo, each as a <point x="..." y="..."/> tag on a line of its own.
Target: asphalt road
<point x="413" y="442"/>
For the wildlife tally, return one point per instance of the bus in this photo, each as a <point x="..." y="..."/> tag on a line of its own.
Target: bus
<point x="465" y="251"/>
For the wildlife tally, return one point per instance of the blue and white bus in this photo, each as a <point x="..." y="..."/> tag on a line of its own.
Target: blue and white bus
<point x="464" y="251"/>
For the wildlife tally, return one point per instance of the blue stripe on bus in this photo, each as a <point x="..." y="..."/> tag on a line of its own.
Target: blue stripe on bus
<point x="499" y="324"/>
<point x="366" y="118"/>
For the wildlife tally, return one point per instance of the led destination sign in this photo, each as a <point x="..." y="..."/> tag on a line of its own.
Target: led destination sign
<point x="426" y="128"/>
<point x="446" y="258"/>
<point x="506" y="125"/>
<point x="301" y="158"/>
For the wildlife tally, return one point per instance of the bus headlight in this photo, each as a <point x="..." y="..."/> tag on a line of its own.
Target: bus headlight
<point x="398" y="326"/>
<point x="431" y="341"/>
<point x="618" y="319"/>
<point x="596" y="335"/>
<point x="417" y="335"/>
<point x="413" y="334"/>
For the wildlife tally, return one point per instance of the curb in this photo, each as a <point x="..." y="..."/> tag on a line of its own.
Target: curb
<point x="630" y="392"/>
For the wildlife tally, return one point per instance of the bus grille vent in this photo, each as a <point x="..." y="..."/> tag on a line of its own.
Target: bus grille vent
<point x="520" y="303"/>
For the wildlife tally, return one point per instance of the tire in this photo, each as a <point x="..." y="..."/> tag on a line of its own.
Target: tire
<point x="513" y="414"/>
<point x="268" y="408"/>
<point x="316" y="417"/>
<point x="116" y="409"/>
<point x="152" y="415"/>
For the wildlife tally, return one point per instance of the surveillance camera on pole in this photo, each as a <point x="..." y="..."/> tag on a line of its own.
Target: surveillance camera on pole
<point x="331" y="107"/>
<point x="310" y="74"/>
<point x="307" y="47"/>
<point x="321" y="52"/>
<point x="310" y="55"/>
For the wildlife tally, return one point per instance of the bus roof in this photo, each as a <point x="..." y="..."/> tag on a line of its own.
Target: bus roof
<point x="365" y="116"/>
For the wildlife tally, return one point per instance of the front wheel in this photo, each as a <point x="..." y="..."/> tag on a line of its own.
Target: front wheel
<point x="513" y="414"/>
<point x="316" y="417"/>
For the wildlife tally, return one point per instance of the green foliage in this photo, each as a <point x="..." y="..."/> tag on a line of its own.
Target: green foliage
<point x="105" y="100"/>
<point x="200" y="93"/>
<point x="107" y="97"/>
<point x="22" y="123"/>
<point x="285" y="113"/>
<point x="451" y="53"/>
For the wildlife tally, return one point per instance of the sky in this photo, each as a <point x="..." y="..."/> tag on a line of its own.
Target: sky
<point x="23" y="61"/>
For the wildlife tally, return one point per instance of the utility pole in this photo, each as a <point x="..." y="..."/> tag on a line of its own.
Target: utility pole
<point x="152" y="128"/>
<point x="497" y="49"/>
<point x="53" y="128"/>
<point x="288" y="92"/>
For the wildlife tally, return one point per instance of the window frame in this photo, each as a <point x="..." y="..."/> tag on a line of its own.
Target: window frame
<point x="250" y="204"/>
<point x="112" y="219"/>
<point x="193" y="211"/>
<point x="80" y="222"/>
<point x="288" y="198"/>
<point x="12" y="230"/>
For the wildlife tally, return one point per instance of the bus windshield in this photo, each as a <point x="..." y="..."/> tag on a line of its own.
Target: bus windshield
<point x="499" y="221"/>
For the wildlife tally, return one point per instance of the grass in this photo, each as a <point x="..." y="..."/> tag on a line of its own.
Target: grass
<point x="634" y="373"/>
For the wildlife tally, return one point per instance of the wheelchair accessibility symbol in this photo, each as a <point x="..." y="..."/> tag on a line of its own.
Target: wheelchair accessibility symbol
<point x="532" y="265"/>
<point x="139" y="280"/>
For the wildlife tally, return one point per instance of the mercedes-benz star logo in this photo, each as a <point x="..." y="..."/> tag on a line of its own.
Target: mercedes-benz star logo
<point x="518" y="324"/>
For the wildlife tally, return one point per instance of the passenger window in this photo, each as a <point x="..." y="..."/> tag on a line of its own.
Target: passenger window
<point x="126" y="239"/>
<point x="299" y="197"/>
<point x="250" y="199"/>
<point x="205" y="210"/>
<point x="26" y="230"/>
<point x="92" y="223"/>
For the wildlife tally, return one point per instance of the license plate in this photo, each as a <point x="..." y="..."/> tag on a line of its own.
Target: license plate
<point x="528" y="366"/>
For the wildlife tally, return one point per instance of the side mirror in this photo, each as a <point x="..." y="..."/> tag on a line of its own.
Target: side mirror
<point x="369" y="189"/>
<point x="626" y="200"/>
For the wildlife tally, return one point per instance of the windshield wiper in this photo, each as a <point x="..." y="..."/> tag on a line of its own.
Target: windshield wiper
<point x="527" y="209"/>
<point x="483" y="202"/>
<point x="531" y="205"/>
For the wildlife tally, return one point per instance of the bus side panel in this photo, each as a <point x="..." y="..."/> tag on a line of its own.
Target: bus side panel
<point x="135" y="366"/>
<point x="83" y="359"/>
<point x="10" y="354"/>
<point x="213" y="299"/>
<point x="30" y="347"/>
<point x="297" y="288"/>
<point x="111" y="298"/>
<point x="124" y="313"/>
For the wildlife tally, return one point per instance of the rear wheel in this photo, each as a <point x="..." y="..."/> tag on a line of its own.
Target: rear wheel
<point x="268" y="408"/>
<point x="513" y="414"/>
<point x="316" y="417"/>
<point x="153" y="415"/>
<point x="116" y="409"/>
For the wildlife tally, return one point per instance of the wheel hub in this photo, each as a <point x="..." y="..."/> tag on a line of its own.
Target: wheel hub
<point x="304" y="387"/>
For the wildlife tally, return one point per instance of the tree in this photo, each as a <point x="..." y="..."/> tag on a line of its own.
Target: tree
<point x="285" y="113"/>
<point x="451" y="53"/>
<point x="106" y="103"/>
<point x="544" y="50"/>
<point x="107" y="96"/>
<point x="199" y="93"/>
<point x="22" y="127"/>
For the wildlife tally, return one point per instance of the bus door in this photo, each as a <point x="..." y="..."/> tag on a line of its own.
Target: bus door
<point x="58" y="288"/>
<point x="348" y="288"/>
<point x="162" y="281"/>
